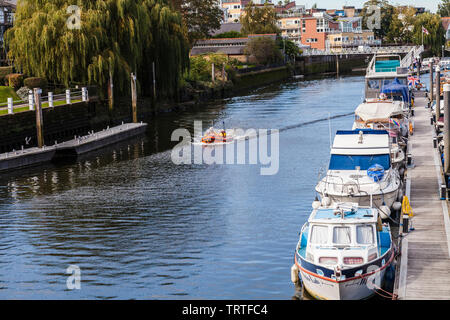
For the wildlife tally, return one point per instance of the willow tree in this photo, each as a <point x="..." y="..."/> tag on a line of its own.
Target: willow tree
<point x="114" y="37"/>
<point x="436" y="37"/>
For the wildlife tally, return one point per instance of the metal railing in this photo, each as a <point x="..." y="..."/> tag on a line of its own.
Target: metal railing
<point x="49" y="101"/>
<point x="368" y="50"/>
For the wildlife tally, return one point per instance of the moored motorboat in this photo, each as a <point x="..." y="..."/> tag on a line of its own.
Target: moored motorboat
<point x="386" y="115"/>
<point x="361" y="171"/>
<point x="343" y="253"/>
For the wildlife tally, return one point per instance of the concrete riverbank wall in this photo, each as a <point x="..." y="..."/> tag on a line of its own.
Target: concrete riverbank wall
<point x="62" y="123"/>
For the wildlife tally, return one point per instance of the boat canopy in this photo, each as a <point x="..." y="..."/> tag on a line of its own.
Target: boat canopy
<point x="398" y="88"/>
<point x="378" y="111"/>
<point x="387" y="65"/>
<point x="361" y="142"/>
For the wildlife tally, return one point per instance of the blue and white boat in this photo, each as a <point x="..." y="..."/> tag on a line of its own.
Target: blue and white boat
<point x="361" y="171"/>
<point x="343" y="252"/>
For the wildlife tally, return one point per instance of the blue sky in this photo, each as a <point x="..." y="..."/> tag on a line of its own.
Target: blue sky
<point x="335" y="4"/>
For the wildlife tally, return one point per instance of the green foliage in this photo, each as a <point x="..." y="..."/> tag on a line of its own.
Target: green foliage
<point x="118" y="36"/>
<point x="444" y="8"/>
<point x="200" y="17"/>
<point x="35" y="82"/>
<point x="263" y="51"/>
<point x="229" y="34"/>
<point x="436" y="39"/>
<point x="201" y="67"/>
<point x="387" y="11"/>
<point x="259" y="20"/>
<point x="402" y="25"/>
<point x="290" y="48"/>
<point x="14" y="80"/>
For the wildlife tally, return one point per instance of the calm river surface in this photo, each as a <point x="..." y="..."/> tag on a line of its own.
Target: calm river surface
<point x="140" y="227"/>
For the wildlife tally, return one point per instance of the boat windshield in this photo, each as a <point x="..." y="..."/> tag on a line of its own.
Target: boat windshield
<point x="364" y="162"/>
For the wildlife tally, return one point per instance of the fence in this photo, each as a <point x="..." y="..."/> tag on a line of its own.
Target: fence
<point x="356" y="50"/>
<point x="49" y="101"/>
<point x="259" y="68"/>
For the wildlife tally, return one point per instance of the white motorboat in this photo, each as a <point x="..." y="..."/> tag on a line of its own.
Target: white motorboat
<point x="360" y="171"/>
<point x="343" y="253"/>
<point x="386" y="115"/>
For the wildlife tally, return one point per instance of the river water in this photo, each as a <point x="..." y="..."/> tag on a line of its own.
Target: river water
<point x="140" y="227"/>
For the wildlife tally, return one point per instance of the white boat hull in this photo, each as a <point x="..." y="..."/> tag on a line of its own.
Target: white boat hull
<point x="356" y="289"/>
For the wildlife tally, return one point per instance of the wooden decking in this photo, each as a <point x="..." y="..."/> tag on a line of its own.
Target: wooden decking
<point x="425" y="259"/>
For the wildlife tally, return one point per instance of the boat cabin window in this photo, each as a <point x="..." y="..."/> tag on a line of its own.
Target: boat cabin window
<point x="319" y="234"/>
<point x="364" y="234"/>
<point x="364" y="162"/>
<point x="341" y="235"/>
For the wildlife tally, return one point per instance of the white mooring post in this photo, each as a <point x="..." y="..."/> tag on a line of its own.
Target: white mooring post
<point x="31" y="100"/>
<point x="84" y="94"/>
<point x="50" y="100"/>
<point x="68" y="96"/>
<point x="10" y="106"/>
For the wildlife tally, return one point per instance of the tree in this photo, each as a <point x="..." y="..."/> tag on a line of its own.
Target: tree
<point x="263" y="51"/>
<point x="289" y="47"/>
<point x="402" y="25"/>
<point x="228" y="34"/>
<point x="200" y="17"/>
<point x="386" y="13"/>
<point x="436" y="39"/>
<point x="444" y="8"/>
<point x="115" y="36"/>
<point x="259" y="20"/>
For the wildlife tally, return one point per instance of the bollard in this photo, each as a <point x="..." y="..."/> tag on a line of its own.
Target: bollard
<point x="431" y="82"/>
<point x="435" y="142"/>
<point x="446" y="128"/>
<point x="84" y="94"/>
<point x="134" y="97"/>
<point x="50" y="100"/>
<point x="39" y="119"/>
<point x="405" y="223"/>
<point x="30" y="100"/>
<point x="409" y="159"/>
<point x="10" y="106"/>
<point x="431" y="120"/>
<point x="438" y="94"/>
<point x="68" y="97"/>
<point x="443" y="191"/>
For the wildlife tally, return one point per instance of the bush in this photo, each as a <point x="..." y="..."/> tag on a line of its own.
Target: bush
<point x="4" y="71"/>
<point x="35" y="82"/>
<point x="263" y="51"/>
<point x="14" y="80"/>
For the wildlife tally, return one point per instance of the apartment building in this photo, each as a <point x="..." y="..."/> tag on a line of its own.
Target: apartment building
<point x="289" y="21"/>
<point x="315" y="29"/>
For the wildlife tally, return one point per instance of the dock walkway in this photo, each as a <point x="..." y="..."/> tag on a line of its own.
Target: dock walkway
<point x="425" y="256"/>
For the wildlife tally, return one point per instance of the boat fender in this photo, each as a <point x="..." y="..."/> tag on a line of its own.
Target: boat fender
<point x="397" y="206"/>
<point x="385" y="212"/>
<point x="326" y="201"/>
<point x="294" y="274"/>
<point x="316" y="204"/>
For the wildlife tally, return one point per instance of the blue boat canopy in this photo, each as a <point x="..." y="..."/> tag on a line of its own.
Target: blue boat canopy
<point x="397" y="87"/>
